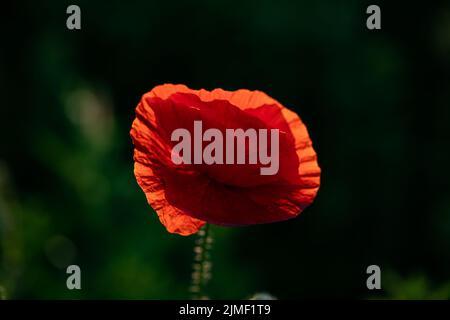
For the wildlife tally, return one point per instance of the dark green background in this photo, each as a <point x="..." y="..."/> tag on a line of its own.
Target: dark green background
<point x="376" y="104"/>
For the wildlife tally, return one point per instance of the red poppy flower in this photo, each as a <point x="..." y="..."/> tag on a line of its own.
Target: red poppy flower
<point x="187" y="195"/>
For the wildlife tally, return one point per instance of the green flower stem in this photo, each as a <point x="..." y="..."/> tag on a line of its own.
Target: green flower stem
<point x="201" y="273"/>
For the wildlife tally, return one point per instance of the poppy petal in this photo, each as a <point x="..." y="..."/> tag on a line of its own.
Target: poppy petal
<point x="175" y="220"/>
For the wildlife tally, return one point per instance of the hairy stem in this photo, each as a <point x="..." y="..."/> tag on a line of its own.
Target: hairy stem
<point x="201" y="273"/>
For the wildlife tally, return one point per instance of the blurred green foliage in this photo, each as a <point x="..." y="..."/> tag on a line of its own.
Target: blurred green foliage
<point x="415" y="287"/>
<point x="376" y="104"/>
